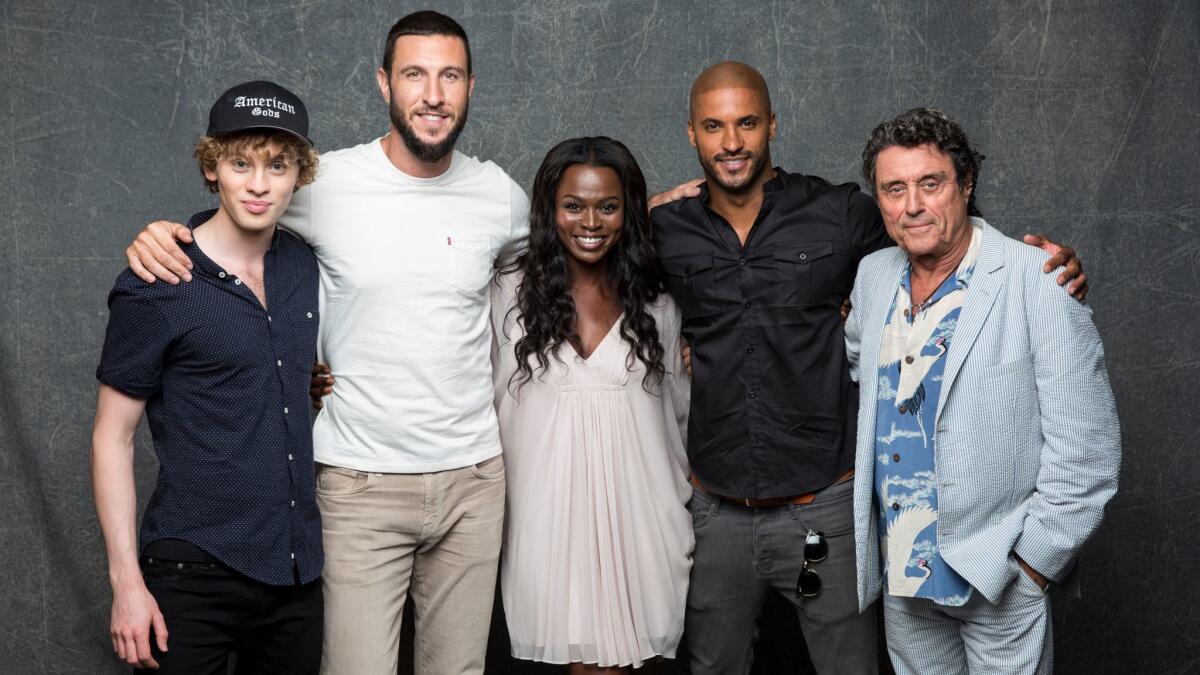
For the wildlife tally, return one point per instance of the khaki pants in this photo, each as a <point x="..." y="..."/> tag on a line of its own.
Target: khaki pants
<point x="436" y="532"/>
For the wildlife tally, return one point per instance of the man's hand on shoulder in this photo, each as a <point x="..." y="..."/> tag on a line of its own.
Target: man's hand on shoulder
<point x="134" y="614"/>
<point x="155" y="255"/>
<point x="1072" y="275"/>
<point x="688" y="189"/>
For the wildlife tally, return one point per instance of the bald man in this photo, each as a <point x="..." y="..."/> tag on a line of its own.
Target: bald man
<point x="760" y="260"/>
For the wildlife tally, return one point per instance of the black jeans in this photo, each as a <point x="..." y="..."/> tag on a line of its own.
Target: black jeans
<point x="213" y="612"/>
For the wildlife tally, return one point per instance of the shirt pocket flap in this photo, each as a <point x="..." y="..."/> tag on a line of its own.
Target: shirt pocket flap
<point x="803" y="253"/>
<point x="688" y="265"/>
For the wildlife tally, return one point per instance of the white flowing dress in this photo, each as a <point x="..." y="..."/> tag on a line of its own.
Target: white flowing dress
<point x="597" y="538"/>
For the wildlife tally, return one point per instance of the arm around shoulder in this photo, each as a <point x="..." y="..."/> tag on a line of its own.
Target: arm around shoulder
<point x="154" y="253"/>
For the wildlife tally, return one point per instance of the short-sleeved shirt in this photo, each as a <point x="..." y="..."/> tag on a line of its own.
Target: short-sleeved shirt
<point x="226" y="383"/>
<point x="773" y="408"/>
<point x="912" y="362"/>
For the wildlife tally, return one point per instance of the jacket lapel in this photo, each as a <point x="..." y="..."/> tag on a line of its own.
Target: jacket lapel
<point x="881" y="296"/>
<point x="881" y="303"/>
<point x="981" y="294"/>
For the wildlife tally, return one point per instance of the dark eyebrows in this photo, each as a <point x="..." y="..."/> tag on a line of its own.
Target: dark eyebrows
<point x="741" y="120"/>
<point x="457" y="70"/>
<point x="600" y="201"/>
<point x="940" y="176"/>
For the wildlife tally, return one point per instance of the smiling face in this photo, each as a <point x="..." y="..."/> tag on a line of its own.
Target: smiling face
<point x="589" y="212"/>
<point x="923" y="207"/>
<point x="731" y="129"/>
<point x="255" y="185"/>
<point x="428" y="91"/>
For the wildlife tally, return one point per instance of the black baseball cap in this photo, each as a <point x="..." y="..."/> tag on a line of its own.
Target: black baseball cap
<point x="259" y="105"/>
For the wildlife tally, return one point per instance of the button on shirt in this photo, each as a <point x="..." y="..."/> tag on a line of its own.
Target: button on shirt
<point x="773" y="408"/>
<point x="226" y="388"/>
<point x="912" y="358"/>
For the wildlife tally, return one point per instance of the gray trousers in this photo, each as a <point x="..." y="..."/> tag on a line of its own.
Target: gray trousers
<point x="1012" y="636"/>
<point x="744" y="553"/>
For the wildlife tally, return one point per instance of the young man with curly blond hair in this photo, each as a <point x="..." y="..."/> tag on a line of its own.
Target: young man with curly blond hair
<point x="229" y="557"/>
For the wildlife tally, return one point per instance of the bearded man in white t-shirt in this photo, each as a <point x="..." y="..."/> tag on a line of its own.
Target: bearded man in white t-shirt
<point x="410" y="480"/>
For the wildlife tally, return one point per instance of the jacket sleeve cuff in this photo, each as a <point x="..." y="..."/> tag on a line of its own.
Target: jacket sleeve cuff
<point x="1037" y="548"/>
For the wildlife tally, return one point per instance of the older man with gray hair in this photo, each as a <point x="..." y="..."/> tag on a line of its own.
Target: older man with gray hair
<point x="988" y="441"/>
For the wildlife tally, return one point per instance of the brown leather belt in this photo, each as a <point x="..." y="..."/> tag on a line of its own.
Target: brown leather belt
<point x="768" y="502"/>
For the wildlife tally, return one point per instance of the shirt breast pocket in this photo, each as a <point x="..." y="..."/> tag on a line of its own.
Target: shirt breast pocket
<point x="805" y="273"/>
<point x="470" y="265"/>
<point x="690" y="280"/>
<point x="303" y="325"/>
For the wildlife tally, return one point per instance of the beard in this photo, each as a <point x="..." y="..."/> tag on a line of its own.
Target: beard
<point x="758" y="163"/>
<point x="423" y="150"/>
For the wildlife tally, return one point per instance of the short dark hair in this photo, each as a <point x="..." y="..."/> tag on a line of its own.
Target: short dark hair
<point x="425" y="22"/>
<point x="921" y="126"/>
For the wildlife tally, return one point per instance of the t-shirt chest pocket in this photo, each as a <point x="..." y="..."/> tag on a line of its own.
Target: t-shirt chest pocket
<point x="805" y="273"/>
<point x="470" y="264"/>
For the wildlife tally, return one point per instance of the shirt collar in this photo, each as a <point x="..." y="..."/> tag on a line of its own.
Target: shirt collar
<point x="208" y="266"/>
<point x="962" y="275"/>
<point x="776" y="184"/>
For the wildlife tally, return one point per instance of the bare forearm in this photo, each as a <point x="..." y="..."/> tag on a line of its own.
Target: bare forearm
<point x="116" y="504"/>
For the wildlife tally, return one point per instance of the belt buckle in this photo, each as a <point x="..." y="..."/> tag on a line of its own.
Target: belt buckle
<point x="747" y="501"/>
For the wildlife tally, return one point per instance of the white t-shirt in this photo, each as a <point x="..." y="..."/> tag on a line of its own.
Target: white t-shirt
<point x="405" y="265"/>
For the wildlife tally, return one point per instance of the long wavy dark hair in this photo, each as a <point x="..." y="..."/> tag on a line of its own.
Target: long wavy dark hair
<point x="544" y="303"/>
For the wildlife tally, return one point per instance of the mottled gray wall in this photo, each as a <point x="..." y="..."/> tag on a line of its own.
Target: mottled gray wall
<point x="1087" y="110"/>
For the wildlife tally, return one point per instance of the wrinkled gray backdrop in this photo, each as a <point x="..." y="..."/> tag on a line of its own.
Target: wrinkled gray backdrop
<point x="1088" y="111"/>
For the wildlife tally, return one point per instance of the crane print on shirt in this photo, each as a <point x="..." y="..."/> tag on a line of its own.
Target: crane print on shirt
<point x="912" y="361"/>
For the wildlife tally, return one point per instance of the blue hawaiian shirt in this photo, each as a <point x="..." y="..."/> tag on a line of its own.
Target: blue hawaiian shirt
<point x="912" y="360"/>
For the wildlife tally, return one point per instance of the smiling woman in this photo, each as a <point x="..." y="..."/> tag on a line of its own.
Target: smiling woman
<point x="592" y="404"/>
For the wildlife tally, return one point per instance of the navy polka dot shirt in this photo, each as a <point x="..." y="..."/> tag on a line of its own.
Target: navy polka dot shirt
<point x="226" y="389"/>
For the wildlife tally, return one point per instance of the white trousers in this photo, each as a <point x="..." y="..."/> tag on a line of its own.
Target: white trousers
<point x="1011" y="637"/>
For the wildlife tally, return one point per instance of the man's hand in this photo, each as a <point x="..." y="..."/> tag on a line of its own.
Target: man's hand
<point x="845" y="309"/>
<point x="155" y="255"/>
<point x="688" y="189"/>
<point x="1033" y="574"/>
<point x="134" y="613"/>
<point x="687" y="358"/>
<point x="321" y="385"/>
<point x="1062" y="256"/>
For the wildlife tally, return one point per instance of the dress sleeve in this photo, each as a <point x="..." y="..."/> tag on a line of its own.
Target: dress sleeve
<point x="677" y="384"/>
<point x="503" y="299"/>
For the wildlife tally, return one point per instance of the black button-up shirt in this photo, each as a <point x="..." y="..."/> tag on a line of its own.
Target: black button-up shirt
<point x="773" y="408"/>
<point x="226" y="388"/>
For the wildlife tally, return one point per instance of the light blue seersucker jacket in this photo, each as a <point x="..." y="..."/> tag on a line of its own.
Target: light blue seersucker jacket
<point x="1028" y="444"/>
